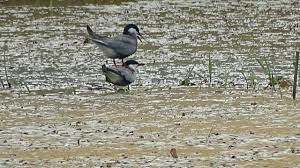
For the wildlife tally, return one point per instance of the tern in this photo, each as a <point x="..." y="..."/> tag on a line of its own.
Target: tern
<point x="119" y="46"/>
<point x="121" y="75"/>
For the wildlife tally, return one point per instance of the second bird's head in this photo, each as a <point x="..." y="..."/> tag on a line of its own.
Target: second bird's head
<point x="132" y="64"/>
<point x="133" y="30"/>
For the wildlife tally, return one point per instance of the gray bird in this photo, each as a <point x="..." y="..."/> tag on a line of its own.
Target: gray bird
<point x="121" y="75"/>
<point x="120" y="46"/>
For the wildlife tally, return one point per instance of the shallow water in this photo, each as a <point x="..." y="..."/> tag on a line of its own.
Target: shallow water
<point x="45" y="44"/>
<point x="52" y="118"/>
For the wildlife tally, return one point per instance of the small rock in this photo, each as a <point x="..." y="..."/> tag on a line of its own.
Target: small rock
<point x="216" y="133"/>
<point x="173" y="153"/>
<point x="295" y="151"/>
<point x="109" y="164"/>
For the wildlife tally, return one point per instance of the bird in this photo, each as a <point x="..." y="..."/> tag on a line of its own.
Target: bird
<point x="120" y="46"/>
<point x="121" y="75"/>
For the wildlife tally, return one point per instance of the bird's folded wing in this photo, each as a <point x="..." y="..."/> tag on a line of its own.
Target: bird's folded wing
<point x="100" y="41"/>
<point x="117" y="71"/>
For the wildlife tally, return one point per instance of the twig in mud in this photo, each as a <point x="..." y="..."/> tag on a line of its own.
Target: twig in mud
<point x="209" y="133"/>
<point x="153" y="159"/>
<point x="97" y="87"/>
<point x="245" y="77"/>
<point x="5" y="67"/>
<point x="26" y="86"/>
<point x="2" y="83"/>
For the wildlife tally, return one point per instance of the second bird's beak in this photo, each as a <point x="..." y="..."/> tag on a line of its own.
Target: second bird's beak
<point x="141" y="64"/>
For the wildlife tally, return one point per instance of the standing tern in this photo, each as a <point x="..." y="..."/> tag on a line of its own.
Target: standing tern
<point x="120" y="46"/>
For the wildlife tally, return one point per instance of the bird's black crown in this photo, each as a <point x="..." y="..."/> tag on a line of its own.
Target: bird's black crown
<point x="130" y="62"/>
<point x="127" y="27"/>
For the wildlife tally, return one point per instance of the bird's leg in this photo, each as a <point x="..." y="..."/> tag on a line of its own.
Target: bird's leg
<point x="122" y="61"/>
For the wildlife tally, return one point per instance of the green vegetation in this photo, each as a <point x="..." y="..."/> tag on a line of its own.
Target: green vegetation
<point x="273" y="80"/>
<point x="187" y="79"/>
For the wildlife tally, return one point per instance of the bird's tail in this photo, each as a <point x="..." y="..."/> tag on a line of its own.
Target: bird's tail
<point x="92" y="33"/>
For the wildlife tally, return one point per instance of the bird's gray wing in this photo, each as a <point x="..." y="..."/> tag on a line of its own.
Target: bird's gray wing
<point x="127" y="74"/>
<point x="123" y="45"/>
<point x="113" y="70"/>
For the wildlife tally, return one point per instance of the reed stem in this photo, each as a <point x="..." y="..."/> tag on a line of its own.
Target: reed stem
<point x="295" y="75"/>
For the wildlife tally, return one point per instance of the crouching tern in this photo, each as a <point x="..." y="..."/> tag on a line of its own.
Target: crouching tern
<point x="120" y="46"/>
<point x="121" y="75"/>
